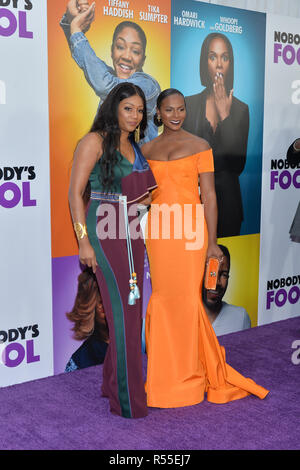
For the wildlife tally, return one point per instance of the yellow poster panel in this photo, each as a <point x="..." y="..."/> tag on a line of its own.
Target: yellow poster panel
<point x="242" y="287"/>
<point x="72" y="99"/>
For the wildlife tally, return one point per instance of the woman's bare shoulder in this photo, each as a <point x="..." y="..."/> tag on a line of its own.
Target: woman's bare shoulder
<point x="149" y="147"/>
<point x="90" y="143"/>
<point x="196" y="144"/>
<point x="145" y="148"/>
<point x="89" y="148"/>
<point x="91" y="139"/>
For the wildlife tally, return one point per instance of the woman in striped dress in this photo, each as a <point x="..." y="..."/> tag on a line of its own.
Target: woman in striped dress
<point x="110" y="162"/>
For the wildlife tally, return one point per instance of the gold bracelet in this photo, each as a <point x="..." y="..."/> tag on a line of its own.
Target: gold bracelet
<point x="80" y="230"/>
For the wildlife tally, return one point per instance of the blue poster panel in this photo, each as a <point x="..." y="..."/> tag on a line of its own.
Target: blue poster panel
<point x="218" y="63"/>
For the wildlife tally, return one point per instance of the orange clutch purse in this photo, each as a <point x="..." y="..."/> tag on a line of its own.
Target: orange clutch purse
<point x="211" y="274"/>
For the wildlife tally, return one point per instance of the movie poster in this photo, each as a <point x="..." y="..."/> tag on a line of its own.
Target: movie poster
<point x="25" y="251"/>
<point x="241" y="292"/>
<point x="231" y="117"/>
<point x="217" y="62"/>
<point x="279" y="283"/>
<point x="76" y="88"/>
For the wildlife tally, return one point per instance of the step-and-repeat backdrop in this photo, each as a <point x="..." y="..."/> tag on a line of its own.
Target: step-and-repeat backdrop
<point x="49" y="94"/>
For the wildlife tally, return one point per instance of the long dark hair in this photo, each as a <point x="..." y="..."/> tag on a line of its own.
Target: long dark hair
<point x="204" y="75"/>
<point x="164" y="94"/>
<point x="107" y="125"/>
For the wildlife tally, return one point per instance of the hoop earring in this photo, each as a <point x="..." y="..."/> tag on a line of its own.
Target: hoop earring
<point x="137" y="134"/>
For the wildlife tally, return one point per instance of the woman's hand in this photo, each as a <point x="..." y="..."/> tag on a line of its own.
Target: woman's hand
<point x="72" y="10"/>
<point x="87" y="255"/>
<point x="83" y="20"/>
<point x="82" y="5"/>
<point x="74" y="7"/>
<point x="222" y="100"/>
<point x="214" y="251"/>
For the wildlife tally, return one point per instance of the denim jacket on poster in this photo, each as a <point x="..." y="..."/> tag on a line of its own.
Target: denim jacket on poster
<point x="103" y="79"/>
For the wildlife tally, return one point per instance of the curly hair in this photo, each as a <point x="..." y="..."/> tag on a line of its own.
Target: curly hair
<point x="88" y="313"/>
<point x="106" y="124"/>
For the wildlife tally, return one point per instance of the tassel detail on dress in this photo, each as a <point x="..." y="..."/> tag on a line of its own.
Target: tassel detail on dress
<point x="131" y="296"/>
<point x="134" y="293"/>
<point x="136" y="290"/>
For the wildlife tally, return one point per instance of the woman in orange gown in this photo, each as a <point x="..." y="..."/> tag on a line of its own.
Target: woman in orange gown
<point x="185" y="360"/>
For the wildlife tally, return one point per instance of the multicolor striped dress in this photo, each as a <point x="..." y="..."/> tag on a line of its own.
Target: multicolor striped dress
<point x="123" y="381"/>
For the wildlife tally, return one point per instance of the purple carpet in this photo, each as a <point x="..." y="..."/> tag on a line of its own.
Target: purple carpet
<point x="67" y="411"/>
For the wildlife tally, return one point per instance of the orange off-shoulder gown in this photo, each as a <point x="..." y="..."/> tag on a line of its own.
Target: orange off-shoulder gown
<point x="185" y="360"/>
